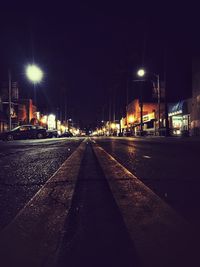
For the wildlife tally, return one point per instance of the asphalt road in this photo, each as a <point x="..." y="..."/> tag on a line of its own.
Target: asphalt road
<point x="95" y="234"/>
<point x="170" y="167"/>
<point x="24" y="167"/>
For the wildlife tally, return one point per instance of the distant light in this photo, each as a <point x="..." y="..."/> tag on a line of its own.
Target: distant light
<point x="141" y="72"/>
<point x="44" y="119"/>
<point x="51" y="121"/>
<point x="113" y="125"/>
<point x="62" y="128"/>
<point x="34" y="73"/>
<point x="131" y="119"/>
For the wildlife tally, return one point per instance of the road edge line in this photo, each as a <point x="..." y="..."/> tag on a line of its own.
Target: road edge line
<point x="159" y="234"/>
<point x="33" y="236"/>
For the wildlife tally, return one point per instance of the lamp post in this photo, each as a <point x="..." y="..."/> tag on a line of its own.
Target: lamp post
<point x="141" y="73"/>
<point x="10" y="100"/>
<point x="35" y="75"/>
<point x="68" y="125"/>
<point x="159" y="96"/>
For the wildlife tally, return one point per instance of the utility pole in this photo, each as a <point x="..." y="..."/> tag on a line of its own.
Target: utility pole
<point x="141" y="111"/>
<point x="35" y="94"/>
<point x="166" y="100"/>
<point x="103" y="108"/>
<point x="110" y="109"/>
<point x="159" y="95"/>
<point x="114" y="104"/>
<point x="10" y="99"/>
<point x="65" y="105"/>
<point x="127" y="93"/>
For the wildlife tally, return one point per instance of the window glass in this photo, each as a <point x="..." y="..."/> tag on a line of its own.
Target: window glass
<point x="16" y="128"/>
<point x="24" y="128"/>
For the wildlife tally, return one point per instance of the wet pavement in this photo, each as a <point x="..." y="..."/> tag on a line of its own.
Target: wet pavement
<point x="170" y="167"/>
<point x="95" y="234"/>
<point x="24" y="168"/>
<point x="94" y="229"/>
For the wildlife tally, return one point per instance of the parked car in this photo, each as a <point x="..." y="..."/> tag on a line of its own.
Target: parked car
<point x="66" y="134"/>
<point x="24" y="132"/>
<point x="52" y="133"/>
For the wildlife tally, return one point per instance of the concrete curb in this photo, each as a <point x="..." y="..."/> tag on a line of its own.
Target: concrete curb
<point x="33" y="237"/>
<point x="161" y="237"/>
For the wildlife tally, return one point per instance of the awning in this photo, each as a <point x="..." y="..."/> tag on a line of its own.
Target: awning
<point x="178" y="108"/>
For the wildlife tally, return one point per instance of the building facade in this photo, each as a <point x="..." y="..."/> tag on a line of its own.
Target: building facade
<point x="179" y="115"/>
<point x="149" y="118"/>
<point x="27" y="112"/>
<point x="4" y="109"/>
<point x="195" y="113"/>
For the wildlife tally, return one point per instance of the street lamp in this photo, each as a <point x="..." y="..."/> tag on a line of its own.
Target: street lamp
<point x="35" y="75"/>
<point x="141" y="73"/>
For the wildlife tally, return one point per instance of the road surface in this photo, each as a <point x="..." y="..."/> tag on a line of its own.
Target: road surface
<point x="24" y="168"/>
<point x="99" y="202"/>
<point x="169" y="167"/>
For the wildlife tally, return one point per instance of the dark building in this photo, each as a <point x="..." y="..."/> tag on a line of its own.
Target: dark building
<point x="195" y="111"/>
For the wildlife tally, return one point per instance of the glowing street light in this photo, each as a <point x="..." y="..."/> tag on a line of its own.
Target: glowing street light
<point x="34" y="73"/>
<point x="141" y="72"/>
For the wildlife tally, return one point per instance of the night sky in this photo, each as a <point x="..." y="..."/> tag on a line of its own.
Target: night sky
<point x="91" y="51"/>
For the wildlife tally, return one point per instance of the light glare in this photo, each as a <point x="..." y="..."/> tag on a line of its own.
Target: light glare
<point x="141" y="72"/>
<point x="34" y="73"/>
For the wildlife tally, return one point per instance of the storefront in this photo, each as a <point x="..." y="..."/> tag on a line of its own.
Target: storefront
<point x="149" y="125"/>
<point x="179" y="118"/>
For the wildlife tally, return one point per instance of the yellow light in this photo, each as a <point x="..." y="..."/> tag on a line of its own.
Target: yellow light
<point x="113" y="125"/>
<point x="44" y="119"/>
<point x="131" y="119"/>
<point x="58" y="125"/>
<point x="51" y="122"/>
<point x="141" y="72"/>
<point x="62" y="128"/>
<point x="34" y="73"/>
<point x="76" y="131"/>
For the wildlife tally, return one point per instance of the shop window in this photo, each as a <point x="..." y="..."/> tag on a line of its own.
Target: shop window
<point x="150" y="124"/>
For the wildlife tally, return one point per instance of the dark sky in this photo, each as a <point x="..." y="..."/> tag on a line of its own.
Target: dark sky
<point x="90" y="50"/>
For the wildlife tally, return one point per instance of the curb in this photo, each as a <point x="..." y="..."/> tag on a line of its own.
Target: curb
<point x="34" y="235"/>
<point x="161" y="237"/>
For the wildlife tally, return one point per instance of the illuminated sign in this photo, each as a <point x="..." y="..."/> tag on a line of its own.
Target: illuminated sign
<point x="149" y="117"/>
<point x="175" y="112"/>
<point x="51" y="122"/>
